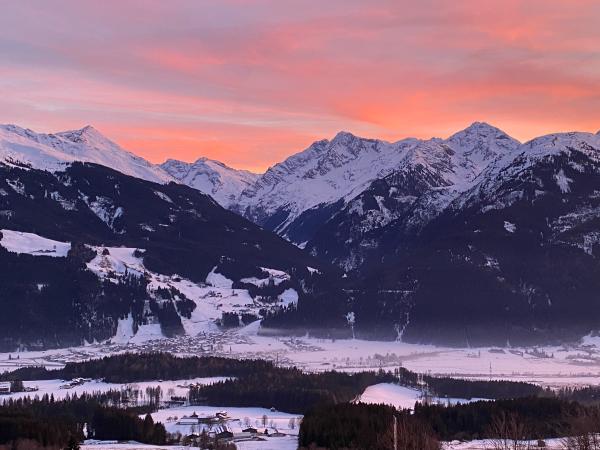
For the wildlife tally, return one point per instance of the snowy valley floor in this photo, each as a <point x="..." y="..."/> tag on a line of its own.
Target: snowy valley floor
<point x="576" y="365"/>
<point x="548" y="366"/>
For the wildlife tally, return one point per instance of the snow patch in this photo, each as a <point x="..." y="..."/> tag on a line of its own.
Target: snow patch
<point x="113" y="262"/>
<point x="16" y="186"/>
<point x="217" y="280"/>
<point x="563" y="182"/>
<point x="64" y="203"/>
<point x="33" y="244"/>
<point x="147" y="332"/>
<point x="124" y="330"/>
<point x="289" y="297"/>
<point x="163" y="196"/>
<point x="275" y="276"/>
<point x="510" y="227"/>
<point x="104" y="209"/>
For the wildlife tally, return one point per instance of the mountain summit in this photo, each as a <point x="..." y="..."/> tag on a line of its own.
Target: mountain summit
<point x="214" y="178"/>
<point x="55" y="151"/>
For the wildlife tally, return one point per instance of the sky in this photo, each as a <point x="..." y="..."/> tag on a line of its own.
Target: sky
<point x="251" y="82"/>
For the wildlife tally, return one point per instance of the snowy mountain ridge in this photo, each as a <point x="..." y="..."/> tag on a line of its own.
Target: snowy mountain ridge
<point x="55" y="151"/>
<point x="300" y="188"/>
<point x="212" y="177"/>
<point x="535" y="151"/>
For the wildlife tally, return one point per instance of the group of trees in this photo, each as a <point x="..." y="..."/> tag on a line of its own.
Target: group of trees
<point x="540" y="417"/>
<point x="461" y="388"/>
<point x="287" y="389"/>
<point x="55" y="297"/>
<point x="134" y="367"/>
<point x="516" y="424"/>
<point x="361" y="426"/>
<point x="56" y="424"/>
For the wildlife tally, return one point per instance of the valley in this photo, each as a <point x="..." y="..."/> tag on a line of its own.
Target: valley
<point x="442" y="277"/>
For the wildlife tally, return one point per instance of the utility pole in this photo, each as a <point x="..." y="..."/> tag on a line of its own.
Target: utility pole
<point x="395" y="433"/>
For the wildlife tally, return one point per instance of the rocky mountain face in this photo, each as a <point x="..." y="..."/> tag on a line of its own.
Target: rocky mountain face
<point x="214" y="178"/>
<point x="511" y="257"/>
<point x="431" y="174"/>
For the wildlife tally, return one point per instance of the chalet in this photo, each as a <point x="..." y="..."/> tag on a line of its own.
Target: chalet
<point x="251" y="430"/>
<point x="4" y="388"/>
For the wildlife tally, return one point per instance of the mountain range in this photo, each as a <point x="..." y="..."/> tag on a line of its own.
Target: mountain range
<point x="475" y="239"/>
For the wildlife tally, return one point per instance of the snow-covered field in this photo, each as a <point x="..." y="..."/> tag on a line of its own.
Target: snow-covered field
<point x="551" y="444"/>
<point x="114" y="445"/>
<point x="32" y="244"/>
<point x="54" y="387"/>
<point x="240" y="417"/>
<point x="563" y="366"/>
<point x="273" y="443"/>
<point x="575" y="365"/>
<point x="402" y="397"/>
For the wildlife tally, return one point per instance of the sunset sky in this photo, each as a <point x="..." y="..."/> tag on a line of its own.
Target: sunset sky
<point x="251" y="82"/>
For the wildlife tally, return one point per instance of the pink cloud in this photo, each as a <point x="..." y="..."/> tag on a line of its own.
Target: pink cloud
<point x="249" y="82"/>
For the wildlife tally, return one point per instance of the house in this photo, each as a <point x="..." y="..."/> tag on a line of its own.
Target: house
<point x="4" y="388"/>
<point x="222" y="432"/>
<point x="191" y="420"/>
<point x="243" y="436"/>
<point x="251" y="430"/>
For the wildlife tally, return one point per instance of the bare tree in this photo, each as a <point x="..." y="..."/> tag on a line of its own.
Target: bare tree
<point x="584" y="434"/>
<point x="509" y="433"/>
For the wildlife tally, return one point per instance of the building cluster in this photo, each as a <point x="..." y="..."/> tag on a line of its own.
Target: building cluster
<point x="218" y="427"/>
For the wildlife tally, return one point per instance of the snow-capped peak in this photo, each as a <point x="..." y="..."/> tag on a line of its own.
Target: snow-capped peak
<point x="54" y="151"/>
<point x="482" y="138"/>
<point x="212" y="177"/>
<point x="341" y="168"/>
<point x="88" y="135"/>
<point x="343" y="137"/>
<point x="479" y="144"/>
